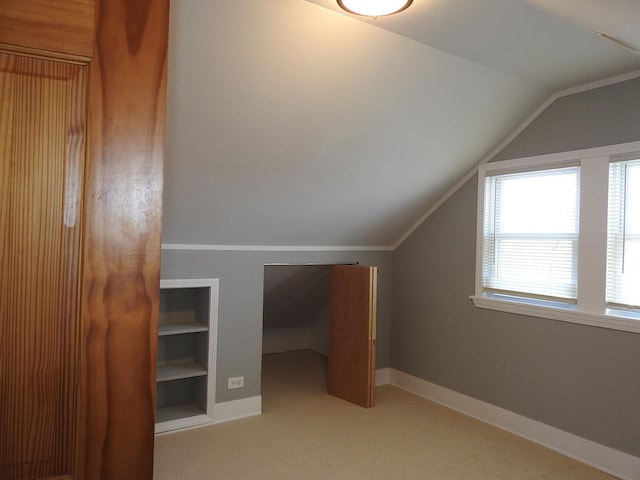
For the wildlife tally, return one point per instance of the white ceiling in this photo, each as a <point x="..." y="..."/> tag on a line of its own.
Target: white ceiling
<point x="548" y="42"/>
<point x="293" y="123"/>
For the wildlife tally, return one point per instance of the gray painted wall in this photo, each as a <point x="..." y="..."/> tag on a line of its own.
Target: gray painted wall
<point x="241" y="275"/>
<point x="296" y="308"/>
<point x="603" y="116"/>
<point x="581" y="379"/>
<point x="294" y="295"/>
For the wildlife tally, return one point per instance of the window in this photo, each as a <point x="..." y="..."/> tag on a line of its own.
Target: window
<point x="559" y="236"/>
<point x="623" y="235"/>
<point x="531" y="234"/>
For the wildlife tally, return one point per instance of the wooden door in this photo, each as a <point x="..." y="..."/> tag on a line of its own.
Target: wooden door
<point x="352" y="333"/>
<point x="82" y="101"/>
<point x="42" y="139"/>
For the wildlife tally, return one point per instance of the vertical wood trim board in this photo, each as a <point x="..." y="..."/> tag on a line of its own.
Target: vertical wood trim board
<point x="120" y="296"/>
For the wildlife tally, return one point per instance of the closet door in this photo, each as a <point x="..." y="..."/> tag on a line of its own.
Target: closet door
<point x="352" y="333"/>
<point x="82" y="102"/>
<point x="42" y="140"/>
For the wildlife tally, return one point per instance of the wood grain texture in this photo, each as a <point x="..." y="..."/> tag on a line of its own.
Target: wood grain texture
<point x="122" y="239"/>
<point x="42" y="141"/>
<point x="351" y="366"/>
<point x="58" y="423"/>
<point x="57" y="26"/>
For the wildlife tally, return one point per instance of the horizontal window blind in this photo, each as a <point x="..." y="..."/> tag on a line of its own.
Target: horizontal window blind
<point x="623" y="235"/>
<point x="530" y="234"/>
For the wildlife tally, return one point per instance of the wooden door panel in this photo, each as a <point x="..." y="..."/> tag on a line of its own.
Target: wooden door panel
<point x="42" y="139"/>
<point x="55" y="26"/>
<point x="77" y="397"/>
<point x="352" y="333"/>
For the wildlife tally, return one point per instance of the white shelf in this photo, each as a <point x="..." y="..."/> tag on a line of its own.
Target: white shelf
<point x="176" y="371"/>
<point x="187" y="331"/>
<point x="181" y="327"/>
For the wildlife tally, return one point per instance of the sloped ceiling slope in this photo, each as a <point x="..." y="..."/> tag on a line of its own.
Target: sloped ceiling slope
<point x="291" y="124"/>
<point x="548" y="42"/>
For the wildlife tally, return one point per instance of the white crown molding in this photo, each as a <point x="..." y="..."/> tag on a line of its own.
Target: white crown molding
<point x="598" y="83"/>
<point x="275" y="248"/>
<point x="609" y="460"/>
<point x="510" y="138"/>
<point x="474" y="170"/>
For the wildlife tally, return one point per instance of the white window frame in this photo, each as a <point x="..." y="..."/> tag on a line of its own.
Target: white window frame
<point x="590" y="308"/>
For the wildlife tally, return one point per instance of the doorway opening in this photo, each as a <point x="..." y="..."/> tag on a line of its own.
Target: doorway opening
<point x="328" y="311"/>
<point x="296" y="309"/>
<point x="295" y="331"/>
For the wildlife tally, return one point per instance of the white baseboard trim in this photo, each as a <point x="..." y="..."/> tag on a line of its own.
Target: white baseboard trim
<point x="249" y="407"/>
<point x="236" y="409"/>
<point x="614" y="462"/>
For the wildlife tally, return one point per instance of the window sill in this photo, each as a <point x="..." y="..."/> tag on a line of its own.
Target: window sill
<point x="613" y="319"/>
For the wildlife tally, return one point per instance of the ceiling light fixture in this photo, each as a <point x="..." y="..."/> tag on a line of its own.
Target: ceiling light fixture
<point x="374" y="8"/>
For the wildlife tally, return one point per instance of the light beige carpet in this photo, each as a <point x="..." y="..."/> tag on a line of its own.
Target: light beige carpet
<point x="304" y="433"/>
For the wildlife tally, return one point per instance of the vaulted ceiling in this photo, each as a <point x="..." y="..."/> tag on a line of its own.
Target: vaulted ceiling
<point x="291" y="122"/>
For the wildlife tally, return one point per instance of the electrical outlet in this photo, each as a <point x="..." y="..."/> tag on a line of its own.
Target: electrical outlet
<point x="235" y="382"/>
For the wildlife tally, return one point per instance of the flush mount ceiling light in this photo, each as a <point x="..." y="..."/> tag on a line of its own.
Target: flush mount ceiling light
<point x="374" y="8"/>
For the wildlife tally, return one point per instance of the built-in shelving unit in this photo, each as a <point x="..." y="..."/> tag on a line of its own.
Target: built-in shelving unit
<point x="186" y="353"/>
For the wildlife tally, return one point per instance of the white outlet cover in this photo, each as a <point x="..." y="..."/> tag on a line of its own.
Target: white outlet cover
<point x="235" y="382"/>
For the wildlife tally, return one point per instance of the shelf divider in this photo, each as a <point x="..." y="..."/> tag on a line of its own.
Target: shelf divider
<point x="181" y="327"/>
<point x="178" y="370"/>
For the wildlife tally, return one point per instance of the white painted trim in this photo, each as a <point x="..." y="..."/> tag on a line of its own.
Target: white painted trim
<point x="510" y="138"/>
<point x="473" y="171"/>
<point x="188" y="282"/>
<point x="609" y="460"/>
<point x="236" y="409"/>
<point x="224" y="412"/>
<point x="591" y="306"/>
<point x="300" y="248"/>
<point x="275" y="248"/>
<point x="599" y="83"/>
<point x="569" y="314"/>
<point x="213" y="285"/>
<point x="561" y="157"/>
<point x="248" y="407"/>
<point x="434" y="207"/>
<point x="181" y="424"/>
